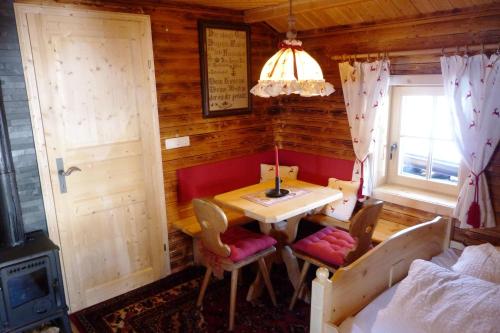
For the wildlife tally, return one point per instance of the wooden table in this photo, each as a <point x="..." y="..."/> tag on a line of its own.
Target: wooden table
<point x="281" y="219"/>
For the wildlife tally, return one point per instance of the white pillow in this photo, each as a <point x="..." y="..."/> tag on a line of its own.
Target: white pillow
<point x="433" y="299"/>
<point x="267" y="172"/>
<point x="481" y="261"/>
<point x="342" y="209"/>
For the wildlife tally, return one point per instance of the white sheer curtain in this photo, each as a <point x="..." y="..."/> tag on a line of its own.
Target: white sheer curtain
<point x="365" y="86"/>
<point x="472" y="85"/>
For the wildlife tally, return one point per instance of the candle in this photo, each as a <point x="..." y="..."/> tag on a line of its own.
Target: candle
<point x="277" y="167"/>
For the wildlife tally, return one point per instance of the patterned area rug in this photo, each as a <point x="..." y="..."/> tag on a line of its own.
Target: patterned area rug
<point x="169" y="306"/>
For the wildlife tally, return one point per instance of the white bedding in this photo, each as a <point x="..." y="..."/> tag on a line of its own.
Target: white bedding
<point x="433" y="299"/>
<point x="364" y="320"/>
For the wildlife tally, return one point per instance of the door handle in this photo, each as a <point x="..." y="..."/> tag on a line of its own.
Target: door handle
<point x="69" y="171"/>
<point x="63" y="174"/>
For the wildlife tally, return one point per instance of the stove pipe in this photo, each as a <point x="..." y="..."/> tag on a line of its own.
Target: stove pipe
<point x="11" y="222"/>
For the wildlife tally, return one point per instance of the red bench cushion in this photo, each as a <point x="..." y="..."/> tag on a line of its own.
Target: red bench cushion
<point x="222" y="176"/>
<point x="219" y="177"/>
<point x="244" y="243"/>
<point x="329" y="245"/>
<point x="317" y="169"/>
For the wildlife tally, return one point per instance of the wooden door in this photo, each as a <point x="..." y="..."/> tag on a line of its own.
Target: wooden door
<point x="91" y="87"/>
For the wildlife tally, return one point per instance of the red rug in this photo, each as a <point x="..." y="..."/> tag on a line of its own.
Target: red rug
<point x="169" y="306"/>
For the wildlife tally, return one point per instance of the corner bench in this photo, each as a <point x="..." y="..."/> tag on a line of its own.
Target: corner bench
<point x="207" y="180"/>
<point x="192" y="228"/>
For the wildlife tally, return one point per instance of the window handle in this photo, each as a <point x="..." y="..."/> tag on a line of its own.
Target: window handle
<point x="394" y="146"/>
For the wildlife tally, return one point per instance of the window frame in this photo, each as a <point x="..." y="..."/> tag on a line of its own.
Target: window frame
<point x="430" y="85"/>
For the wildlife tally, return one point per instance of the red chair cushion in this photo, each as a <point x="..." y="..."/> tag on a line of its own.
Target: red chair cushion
<point x="245" y="243"/>
<point x="329" y="245"/>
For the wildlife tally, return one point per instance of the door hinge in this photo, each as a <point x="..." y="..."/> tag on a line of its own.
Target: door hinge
<point x="149" y="64"/>
<point x="164" y="247"/>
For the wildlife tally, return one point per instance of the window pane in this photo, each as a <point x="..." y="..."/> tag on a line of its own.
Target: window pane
<point x="413" y="157"/>
<point x="445" y="162"/>
<point x="416" y="116"/>
<point x="443" y="128"/>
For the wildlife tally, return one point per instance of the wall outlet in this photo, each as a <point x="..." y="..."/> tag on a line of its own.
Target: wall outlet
<point x="173" y="143"/>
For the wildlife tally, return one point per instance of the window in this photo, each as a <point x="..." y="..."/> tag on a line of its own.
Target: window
<point x="422" y="150"/>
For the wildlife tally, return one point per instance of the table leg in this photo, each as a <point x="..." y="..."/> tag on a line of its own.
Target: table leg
<point x="285" y="232"/>
<point x="291" y="262"/>
<point x="257" y="285"/>
<point x="292" y="267"/>
<point x="265" y="228"/>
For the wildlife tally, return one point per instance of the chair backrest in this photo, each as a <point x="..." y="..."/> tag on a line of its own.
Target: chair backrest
<point x="213" y="222"/>
<point x="361" y="228"/>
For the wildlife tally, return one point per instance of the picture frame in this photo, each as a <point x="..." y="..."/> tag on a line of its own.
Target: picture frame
<point x="225" y="68"/>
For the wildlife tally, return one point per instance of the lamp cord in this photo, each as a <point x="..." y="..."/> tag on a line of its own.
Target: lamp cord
<point x="292" y="32"/>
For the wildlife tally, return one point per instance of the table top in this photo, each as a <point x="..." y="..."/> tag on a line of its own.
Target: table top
<point x="317" y="197"/>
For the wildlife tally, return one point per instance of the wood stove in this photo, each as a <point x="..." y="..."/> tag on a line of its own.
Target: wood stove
<point x="31" y="287"/>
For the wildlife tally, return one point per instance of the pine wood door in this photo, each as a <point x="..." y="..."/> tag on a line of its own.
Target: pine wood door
<point x="91" y="87"/>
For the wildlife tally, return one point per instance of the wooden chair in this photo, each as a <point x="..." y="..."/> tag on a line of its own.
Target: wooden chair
<point x="230" y="249"/>
<point x="332" y="248"/>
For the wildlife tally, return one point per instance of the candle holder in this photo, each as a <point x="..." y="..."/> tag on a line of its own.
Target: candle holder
<point x="277" y="192"/>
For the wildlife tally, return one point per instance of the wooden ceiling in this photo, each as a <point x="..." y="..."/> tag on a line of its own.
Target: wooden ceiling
<point x="235" y="4"/>
<point x="315" y="14"/>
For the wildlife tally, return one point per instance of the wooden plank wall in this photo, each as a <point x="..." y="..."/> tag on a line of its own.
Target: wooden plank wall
<point x="317" y="125"/>
<point x="320" y="124"/>
<point x="178" y="85"/>
<point x="175" y="45"/>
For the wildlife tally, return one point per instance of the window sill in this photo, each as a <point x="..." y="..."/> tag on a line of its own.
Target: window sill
<point x="432" y="202"/>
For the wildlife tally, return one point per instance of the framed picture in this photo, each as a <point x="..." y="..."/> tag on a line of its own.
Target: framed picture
<point x="225" y="68"/>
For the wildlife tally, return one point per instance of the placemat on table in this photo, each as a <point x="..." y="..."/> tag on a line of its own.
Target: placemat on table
<point x="261" y="199"/>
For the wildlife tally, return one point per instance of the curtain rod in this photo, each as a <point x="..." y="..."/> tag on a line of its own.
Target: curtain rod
<point x="444" y="50"/>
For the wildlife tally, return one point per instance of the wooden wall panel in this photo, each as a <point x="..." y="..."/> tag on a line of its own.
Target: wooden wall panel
<point x="175" y="45"/>
<point x="317" y="125"/>
<point x="179" y="93"/>
<point x="320" y="124"/>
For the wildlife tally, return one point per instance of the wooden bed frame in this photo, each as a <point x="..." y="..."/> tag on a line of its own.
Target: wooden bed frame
<point x="353" y="287"/>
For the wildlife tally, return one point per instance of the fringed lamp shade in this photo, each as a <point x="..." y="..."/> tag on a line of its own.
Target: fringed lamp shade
<point x="291" y="71"/>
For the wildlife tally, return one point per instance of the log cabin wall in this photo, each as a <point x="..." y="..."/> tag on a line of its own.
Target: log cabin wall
<point x="320" y="124"/>
<point x="317" y="125"/>
<point x="175" y="46"/>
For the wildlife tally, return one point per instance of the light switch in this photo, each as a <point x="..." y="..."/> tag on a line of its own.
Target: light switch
<point x="179" y="142"/>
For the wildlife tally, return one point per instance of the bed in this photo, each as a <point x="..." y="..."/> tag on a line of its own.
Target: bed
<point x="364" y="320"/>
<point x="352" y="288"/>
<point x="370" y="295"/>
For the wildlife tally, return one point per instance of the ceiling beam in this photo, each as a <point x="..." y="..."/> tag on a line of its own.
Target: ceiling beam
<point x="298" y="6"/>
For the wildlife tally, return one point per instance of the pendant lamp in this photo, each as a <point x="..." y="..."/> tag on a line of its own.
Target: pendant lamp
<point x="291" y="70"/>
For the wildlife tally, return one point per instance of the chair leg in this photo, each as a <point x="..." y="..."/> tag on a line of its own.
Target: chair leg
<point x="204" y="285"/>
<point x="232" y="301"/>
<point x="267" y="280"/>
<point x="303" y="274"/>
